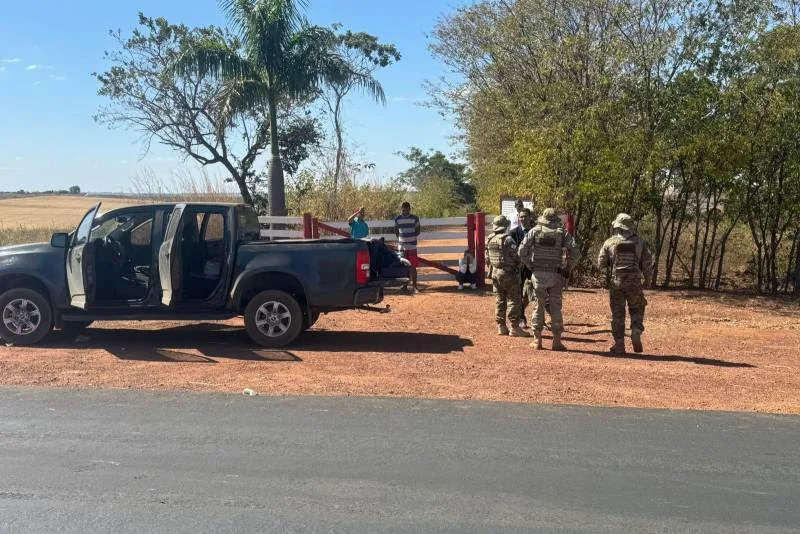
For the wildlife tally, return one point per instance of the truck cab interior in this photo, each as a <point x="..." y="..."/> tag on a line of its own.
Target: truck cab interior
<point x="121" y="247"/>
<point x="204" y="248"/>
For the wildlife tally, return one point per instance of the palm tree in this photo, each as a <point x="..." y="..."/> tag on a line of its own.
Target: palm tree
<point x="282" y="58"/>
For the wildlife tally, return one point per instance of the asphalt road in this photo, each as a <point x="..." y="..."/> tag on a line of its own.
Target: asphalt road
<point x="118" y="461"/>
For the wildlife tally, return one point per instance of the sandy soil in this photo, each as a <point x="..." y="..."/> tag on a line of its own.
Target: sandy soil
<point x="702" y="352"/>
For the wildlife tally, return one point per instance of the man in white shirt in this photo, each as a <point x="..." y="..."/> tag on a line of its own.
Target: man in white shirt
<point x="467" y="271"/>
<point x="514" y="217"/>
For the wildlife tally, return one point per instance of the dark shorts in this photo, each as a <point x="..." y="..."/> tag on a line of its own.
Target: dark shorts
<point x="411" y="256"/>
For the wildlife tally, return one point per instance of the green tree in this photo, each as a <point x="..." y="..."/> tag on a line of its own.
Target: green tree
<point x="363" y="54"/>
<point x="440" y="183"/>
<point x="74" y="190"/>
<point x="186" y="113"/>
<point x="281" y="58"/>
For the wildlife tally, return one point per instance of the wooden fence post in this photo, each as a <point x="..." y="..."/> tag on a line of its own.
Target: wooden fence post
<point x="480" y="246"/>
<point x="471" y="233"/>
<point x="308" y="231"/>
<point x="570" y="226"/>
<point x="315" y="228"/>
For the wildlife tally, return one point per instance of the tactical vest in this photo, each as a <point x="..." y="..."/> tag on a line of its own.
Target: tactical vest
<point x="548" y="249"/>
<point x="498" y="254"/>
<point x="627" y="254"/>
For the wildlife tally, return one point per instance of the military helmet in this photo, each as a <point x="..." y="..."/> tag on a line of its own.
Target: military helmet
<point x="549" y="216"/>
<point x="500" y="223"/>
<point x="624" y="222"/>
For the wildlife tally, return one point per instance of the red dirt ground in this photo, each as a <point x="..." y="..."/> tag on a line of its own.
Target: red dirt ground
<point x="702" y="351"/>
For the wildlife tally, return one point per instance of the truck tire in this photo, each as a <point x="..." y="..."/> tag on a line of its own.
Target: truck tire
<point x="25" y="317"/>
<point x="273" y="319"/>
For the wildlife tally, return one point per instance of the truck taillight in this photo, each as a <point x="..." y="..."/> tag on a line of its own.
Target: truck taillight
<point x="362" y="267"/>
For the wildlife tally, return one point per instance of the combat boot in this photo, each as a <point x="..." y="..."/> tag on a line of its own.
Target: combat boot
<point x="502" y="330"/>
<point x="516" y="331"/>
<point x="618" y="347"/>
<point x="557" y="344"/>
<point x="537" y="341"/>
<point x="636" y="339"/>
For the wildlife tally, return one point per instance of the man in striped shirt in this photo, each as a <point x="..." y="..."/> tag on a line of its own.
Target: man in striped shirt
<point x="407" y="230"/>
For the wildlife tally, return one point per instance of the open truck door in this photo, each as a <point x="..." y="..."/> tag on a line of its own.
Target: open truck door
<point x="170" y="262"/>
<point x="81" y="268"/>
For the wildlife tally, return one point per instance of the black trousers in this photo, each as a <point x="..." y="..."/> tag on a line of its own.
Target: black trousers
<point x="466" y="278"/>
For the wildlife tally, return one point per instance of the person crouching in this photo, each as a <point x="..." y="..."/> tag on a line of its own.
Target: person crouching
<point x="467" y="271"/>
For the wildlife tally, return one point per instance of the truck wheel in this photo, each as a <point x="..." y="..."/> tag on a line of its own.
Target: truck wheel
<point x="273" y="319"/>
<point x="25" y="317"/>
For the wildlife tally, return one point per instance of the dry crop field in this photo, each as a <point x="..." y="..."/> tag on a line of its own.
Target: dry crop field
<point x="61" y="211"/>
<point x="33" y="219"/>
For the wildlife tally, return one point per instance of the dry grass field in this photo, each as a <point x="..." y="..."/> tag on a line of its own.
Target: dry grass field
<point x="60" y="211"/>
<point x="34" y="219"/>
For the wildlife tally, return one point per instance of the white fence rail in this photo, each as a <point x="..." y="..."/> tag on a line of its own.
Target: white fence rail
<point x="450" y="229"/>
<point x="281" y="227"/>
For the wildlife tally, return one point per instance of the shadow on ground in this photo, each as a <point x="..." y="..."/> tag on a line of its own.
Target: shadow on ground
<point x="698" y="360"/>
<point x="214" y="341"/>
<point x="407" y="342"/>
<point x="211" y="340"/>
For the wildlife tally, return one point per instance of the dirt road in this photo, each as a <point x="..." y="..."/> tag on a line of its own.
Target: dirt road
<point x="702" y="352"/>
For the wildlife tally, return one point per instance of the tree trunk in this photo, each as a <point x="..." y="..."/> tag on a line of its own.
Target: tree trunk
<point x="701" y="274"/>
<point x="337" y="126"/>
<point x="696" y="237"/>
<point x="723" y="244"/>
<point x="276" y="187"/>
<point x="659" y="244"/>
<point x="797" y="265"/>
<point x="790" y="268"/>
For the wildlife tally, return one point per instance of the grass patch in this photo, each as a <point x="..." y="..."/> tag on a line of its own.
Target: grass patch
<point x="22" y="234"/>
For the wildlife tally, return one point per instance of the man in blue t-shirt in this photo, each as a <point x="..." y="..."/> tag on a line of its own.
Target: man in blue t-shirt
<point x="358" y="226"/>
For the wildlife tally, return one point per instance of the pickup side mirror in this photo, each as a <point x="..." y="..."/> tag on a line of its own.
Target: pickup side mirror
<point x="59" y="240"/>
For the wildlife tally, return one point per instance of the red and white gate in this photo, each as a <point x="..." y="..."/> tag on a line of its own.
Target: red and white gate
<point x="441" y="243"/>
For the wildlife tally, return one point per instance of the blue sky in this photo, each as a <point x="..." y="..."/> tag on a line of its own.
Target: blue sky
<point x="49" y="48"/>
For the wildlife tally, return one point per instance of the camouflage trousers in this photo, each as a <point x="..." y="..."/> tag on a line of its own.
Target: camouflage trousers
<point x="634" y="297"/>
<point x="528" y="295"/>
<point x="548" y="288"/>
<point x="508" y="297"/>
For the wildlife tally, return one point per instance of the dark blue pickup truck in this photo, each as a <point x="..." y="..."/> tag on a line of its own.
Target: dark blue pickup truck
<point x="180" y="262"/>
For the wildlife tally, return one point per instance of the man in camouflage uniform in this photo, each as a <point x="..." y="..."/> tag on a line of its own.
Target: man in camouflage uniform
<point x="631" y="264"/>
<point x="543" y="251"/>
<point x="503" y="263"/>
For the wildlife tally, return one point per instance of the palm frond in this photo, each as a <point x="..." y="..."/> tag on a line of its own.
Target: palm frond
<point x="271" y="24"/>
<point x="311" y="59"/>
<point x="216" y="59"/>
<point x="371" y="86"/>
<point x="238" y="13"/>
<point x="315" y="61"/>
<point x="238" y="96"/>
